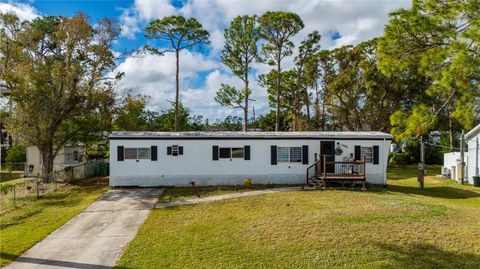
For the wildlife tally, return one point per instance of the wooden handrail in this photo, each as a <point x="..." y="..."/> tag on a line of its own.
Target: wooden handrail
<point x="313" y="164"/>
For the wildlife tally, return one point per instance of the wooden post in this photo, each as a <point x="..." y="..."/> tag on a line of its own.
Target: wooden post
<point x="421" y="165"/>
<point x="324" y="166"/>
<point x="462" y="158"/>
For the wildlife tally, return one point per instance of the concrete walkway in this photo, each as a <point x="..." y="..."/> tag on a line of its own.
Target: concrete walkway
<point x="96" y="237"/>
<point x="225" y="197"/>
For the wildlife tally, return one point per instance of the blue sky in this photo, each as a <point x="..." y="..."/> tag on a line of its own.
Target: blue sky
<point x="340" y="22"/>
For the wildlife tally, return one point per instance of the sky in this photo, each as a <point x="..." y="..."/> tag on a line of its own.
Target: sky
<point x="340" y="22"/>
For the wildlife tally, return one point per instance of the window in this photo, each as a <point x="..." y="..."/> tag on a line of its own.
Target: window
<point x="137" y="153"/>
<point x="225" y="153"/>
<point x="130" y="153"/>
<point x="367" y="154"/>
<point x="295" y="154"/>
<point x="289" y="154"/>
<point x="75" y="155"/>
<point x="229" y="153"/>
<point x="283" y="154"/>
<point x="143" y="153"/>
<point x="175" y="150"/>
<point x="237" y="152"/>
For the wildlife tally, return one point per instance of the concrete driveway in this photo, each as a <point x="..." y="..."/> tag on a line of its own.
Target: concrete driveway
<point x="96" y="237"/>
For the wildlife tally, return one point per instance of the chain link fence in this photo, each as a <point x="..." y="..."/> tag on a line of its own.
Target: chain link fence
<point x="16" y="191"/>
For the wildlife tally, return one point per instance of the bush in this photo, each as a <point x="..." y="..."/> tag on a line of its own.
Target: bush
<point x="16" y="154"/>
<point x="400" y="158"/>
<point x="247" y="183"/>
<point x="411" y="154"/>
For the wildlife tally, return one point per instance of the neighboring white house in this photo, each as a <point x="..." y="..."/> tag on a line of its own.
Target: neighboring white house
<point x="451" y="165"/>
<point x="228" y="158"/>
<point x="69" y="155"/>
<point x="452" y="160"/>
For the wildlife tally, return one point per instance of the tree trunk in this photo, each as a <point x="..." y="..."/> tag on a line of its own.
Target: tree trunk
<point x="317" y="108"/>
<point x="307" y="104"/>
<point x="450" y="130"/>
<point x="245" y="109"/>
<point x="279" y="77"/>
<point x="177" y="91"/>
<point x="323" y="108"/>
<point x="48" y="157"/>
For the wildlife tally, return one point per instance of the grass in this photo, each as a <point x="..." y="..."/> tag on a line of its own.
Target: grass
<point x="398" y="226"/>
<point x="21" y="228"/>
<point x="10" y="183"/>
<point x="186" y="193"/>
<point x="6" y="176"/>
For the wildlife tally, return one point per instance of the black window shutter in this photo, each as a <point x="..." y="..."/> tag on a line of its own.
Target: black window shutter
<point x="153" y="151"/>
<point x="273" y="155"/>
<point x="120" y="153"/>
<point x="246" y="153"/>
<point x="305" y="154"/>
<point x="358" y="153"/>
<point x="169" y="150"/>
<point x="375" y="155"/>
<point x="215" y="153"/>
<point x="180" y="150"/>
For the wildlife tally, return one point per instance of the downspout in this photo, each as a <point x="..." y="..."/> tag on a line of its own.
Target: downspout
<point x="476" y="158"/>
<point x="384" y="165"/>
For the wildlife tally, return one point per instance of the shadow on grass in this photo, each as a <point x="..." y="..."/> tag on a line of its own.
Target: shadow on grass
<point x="19" y="219"/>
<point x="54" y="263"/>
<point x="428" y="256"/>
<point x="438" y="192"/>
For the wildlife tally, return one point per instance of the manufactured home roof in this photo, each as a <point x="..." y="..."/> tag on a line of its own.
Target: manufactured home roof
<point x="472" y="133"/>
<point x="252" y="135"/>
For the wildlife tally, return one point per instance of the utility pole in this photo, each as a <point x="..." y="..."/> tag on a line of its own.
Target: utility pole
<point x="462" y="157"/>
<point x="421" y="165"/>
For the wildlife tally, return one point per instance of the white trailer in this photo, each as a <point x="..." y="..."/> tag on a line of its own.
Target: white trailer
<point x="228" y="158"/>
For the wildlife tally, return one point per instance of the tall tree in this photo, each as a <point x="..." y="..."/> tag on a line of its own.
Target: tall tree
<point x="175" y="33"/>
<point x="131" y="114"/>
<point x="289" y="93"/>
<point x="443" y="38"/>
<point x="277" y="28"/>
<point x="325" y="73"/>
<point x="307" y="71"/>
<point x="239" y="52"/>
<point x="56" y="79"/>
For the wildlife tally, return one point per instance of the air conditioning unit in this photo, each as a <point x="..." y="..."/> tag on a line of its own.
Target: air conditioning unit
<point x="446" y="172"/>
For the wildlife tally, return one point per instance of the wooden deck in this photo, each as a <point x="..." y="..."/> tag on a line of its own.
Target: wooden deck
<point x="322" y="171"/>
<point x="346" y="177"/>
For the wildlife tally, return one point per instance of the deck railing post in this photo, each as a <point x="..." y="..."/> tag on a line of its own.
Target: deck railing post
<point x="324" y="166"/>
<point x="364" y="170"/>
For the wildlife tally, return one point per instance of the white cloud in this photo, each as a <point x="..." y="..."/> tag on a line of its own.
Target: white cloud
<point x="154" y="75"/>
<point x="23" y="11"/>
<point x="354" y="20"/>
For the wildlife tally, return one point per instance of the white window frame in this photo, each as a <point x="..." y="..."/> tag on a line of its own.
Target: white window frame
<point x="288" y="155"/>
<point x="148" y="156"/>
<point x="366" y="153"/>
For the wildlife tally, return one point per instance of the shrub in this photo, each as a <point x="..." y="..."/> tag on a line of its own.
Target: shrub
<point x="16" y="154"/>
<point x="247" y="183"/>
<point x="399" y="158"/>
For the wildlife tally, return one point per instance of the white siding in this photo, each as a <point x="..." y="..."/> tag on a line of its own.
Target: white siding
<point x="196" y="163"/>
<point x="473" y="163"/>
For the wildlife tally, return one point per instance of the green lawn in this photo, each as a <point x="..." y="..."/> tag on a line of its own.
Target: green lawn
<point x="35" y="219"/>
<point x="394" y="227"/>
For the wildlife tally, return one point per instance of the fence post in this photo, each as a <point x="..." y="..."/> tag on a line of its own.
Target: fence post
<point x="36" y="180"/>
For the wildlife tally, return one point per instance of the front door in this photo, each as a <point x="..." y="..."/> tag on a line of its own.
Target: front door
<point x="327" y="148"/>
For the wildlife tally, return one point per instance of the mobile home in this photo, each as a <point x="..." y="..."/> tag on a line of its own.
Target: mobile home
<point x="228" y="158"/>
